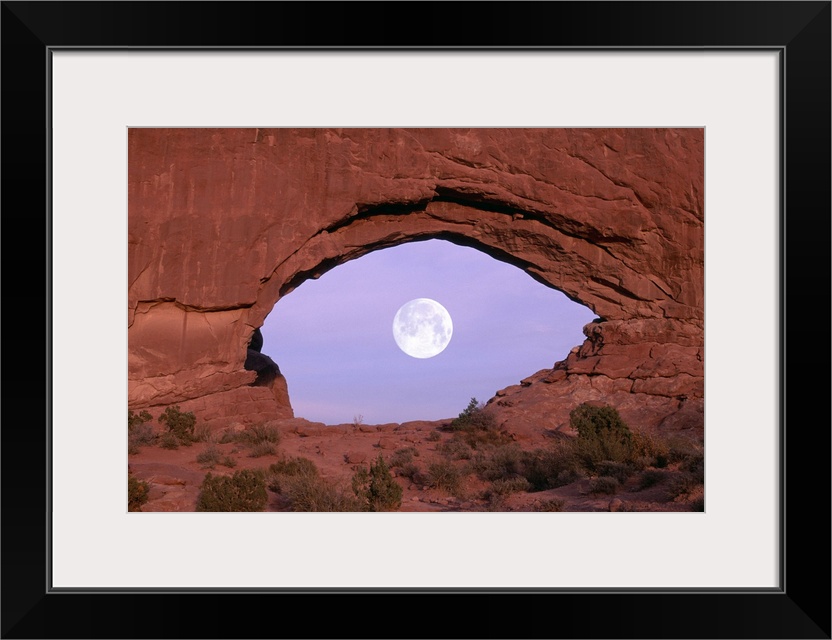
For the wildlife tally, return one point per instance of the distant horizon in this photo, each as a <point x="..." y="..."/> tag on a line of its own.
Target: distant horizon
<point x="332" y="337"/>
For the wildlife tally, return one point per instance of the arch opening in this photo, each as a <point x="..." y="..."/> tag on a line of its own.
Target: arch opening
<point x="334" y="342"/>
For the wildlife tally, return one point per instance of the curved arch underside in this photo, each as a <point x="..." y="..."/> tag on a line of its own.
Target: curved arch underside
<point x="224" y="222"/>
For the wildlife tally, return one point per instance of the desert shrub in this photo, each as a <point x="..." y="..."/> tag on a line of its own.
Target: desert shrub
<point x="650" y="478"/>
<point x="168" y="440"/>
<point x="550" y="468"/>
<point x="478" y="428"/>
<point x="695" y="466"/>
<point x="313" y="493"/>
<point x="482" y="438"/>
<point x="137" y="493"/>
<point x="376" y="490"/>
<point x="202" y="433"/>
<point x="286" y="468"/>
<point x="293" y="467"/>
<point x="499" y="463"/>
<point x="649" y="451"/>
<point x="298" y="480"/>
<point x="443" y="475"/>
<point x="473" y="417"/>
<point x="602" y="435"/>
<point x="179" y="424"/>
<point x="409" y="470"/>
<point x="456" y="448"/>
<point x="257" y="434"/>
<point x="262" y="449"/>
<point x="434" y="436"/>
<point x="209" y="457"/>
<point x="691" y="475"/>
<point x="402" y="456"/>
<point x="618" y="470"/>
<point x="506" y="486"/>
<point x="683" y="483"/>
<point x="244" y="491"/>
<point x="228" y="437"/>
<point x="603" y="484"/>
<point x="139" y="432"/>
<point x="680" y="448"/>
<point x="554" y="504"/>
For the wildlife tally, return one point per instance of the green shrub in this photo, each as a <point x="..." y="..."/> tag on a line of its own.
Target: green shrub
<point x="376" y="489"/>
<point x="228" y="461"/>
<point x="602" y="435"/>
<point x="179" y="424"/>
<point x="244" y="491"/>
<point x="462" y="419"/>
<point x="478" y="427"/>
<point x="137" y="419"/>
<point x="137" y="493"/>
<point x="603" y="484"/>
<point x="434" y="436"/>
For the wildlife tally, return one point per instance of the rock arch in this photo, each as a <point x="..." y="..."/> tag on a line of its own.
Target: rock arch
<point x="224" y="222"/>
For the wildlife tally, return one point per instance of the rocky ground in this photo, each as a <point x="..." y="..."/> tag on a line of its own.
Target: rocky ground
<point x="174" y="475"/>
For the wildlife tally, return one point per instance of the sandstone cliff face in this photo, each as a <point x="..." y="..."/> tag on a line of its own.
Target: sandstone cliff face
<point x="224" y="222"/>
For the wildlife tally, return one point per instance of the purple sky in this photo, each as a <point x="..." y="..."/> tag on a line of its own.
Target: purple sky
<point x="333" y="339"/>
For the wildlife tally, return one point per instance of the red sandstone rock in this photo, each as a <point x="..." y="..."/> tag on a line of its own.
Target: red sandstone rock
<point x="224" y="222"/>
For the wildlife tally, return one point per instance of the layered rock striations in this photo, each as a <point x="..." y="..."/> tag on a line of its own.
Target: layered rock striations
<point x="224" y="222"/>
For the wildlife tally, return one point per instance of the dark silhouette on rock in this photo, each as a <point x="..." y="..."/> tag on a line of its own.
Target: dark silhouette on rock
<point x="266" y="368"/>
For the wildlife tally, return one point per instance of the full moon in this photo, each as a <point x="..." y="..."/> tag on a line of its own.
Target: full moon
<point x="422" y="328"/>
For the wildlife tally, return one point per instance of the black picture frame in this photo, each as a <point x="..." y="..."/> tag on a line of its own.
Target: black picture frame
<point x="799" y="31"/>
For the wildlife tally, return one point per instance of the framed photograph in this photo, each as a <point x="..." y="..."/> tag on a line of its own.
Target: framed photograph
<point x="100" y="95"/>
